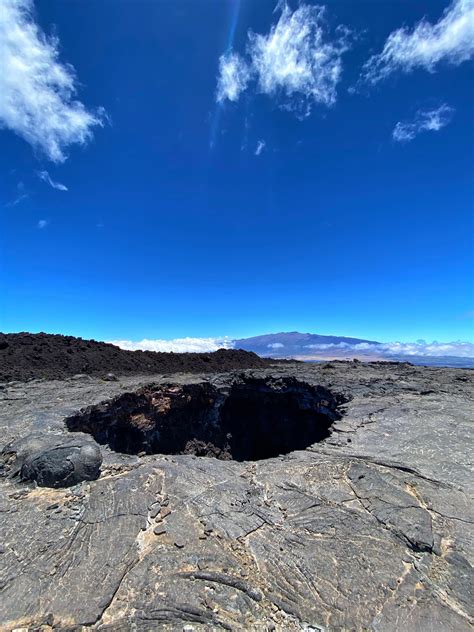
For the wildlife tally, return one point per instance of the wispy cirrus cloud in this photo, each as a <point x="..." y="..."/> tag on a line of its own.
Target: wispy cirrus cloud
<point x="450" y="40"/>
<point x="21" y="195"/>
<point x="44" y="175"/>
<point x="234" y="75"/>
<point x="178" y="345"/>
<point x="19" y="198"/>
<point x="424" y="121"/>
<point x="297" y="62"/>
<point x="37" y="91"/>
<point x="43" y="223"/>
<point x="261" y="144"/>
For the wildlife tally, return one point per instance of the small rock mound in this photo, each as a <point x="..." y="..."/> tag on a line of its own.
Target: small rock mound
<point x="52" y="460"/>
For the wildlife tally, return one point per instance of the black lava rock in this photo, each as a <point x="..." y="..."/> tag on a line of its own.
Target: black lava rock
<point x="25" y="356"/>
<point x="52" y="460"/>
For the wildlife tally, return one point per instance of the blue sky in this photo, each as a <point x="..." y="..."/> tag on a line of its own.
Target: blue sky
<point x="230" y="168"/>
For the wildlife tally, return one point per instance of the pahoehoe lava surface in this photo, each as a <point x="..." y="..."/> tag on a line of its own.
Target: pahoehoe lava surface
<point x="26" y="356"/>
<point x="370" y="527"/>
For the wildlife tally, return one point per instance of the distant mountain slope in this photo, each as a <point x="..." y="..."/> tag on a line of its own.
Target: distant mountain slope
<point x="294" y="343"/>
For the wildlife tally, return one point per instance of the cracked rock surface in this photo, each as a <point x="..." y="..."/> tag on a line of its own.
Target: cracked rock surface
<point x="369" y="528"/>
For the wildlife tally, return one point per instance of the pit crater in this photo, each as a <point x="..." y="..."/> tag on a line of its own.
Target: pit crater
<point x="249" y="420"/>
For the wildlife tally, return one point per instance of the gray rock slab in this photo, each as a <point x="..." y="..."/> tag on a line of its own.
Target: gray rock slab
<point x="370" y="529"/>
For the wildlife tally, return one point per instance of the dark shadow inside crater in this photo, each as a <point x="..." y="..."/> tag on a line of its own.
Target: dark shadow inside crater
<point x="252" y="419"/>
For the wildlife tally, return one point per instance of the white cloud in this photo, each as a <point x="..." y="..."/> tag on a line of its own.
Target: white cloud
<point x="422" y="348"/>
<point x="20" y="196"/>
<point x="330" y="345"/>
<point x="178" y="345"/>
<point x="234" y="75"/>
<point x="384" y="350"/>
<point x="36" y="90"/>
<point x="296" y="62"/>
<point x="44" y="175"/>
<point x="424" y="121"/>
<point x="296" y="59"/>
<point x="451" y="40"/>
<point x="43" y="223"/>
<point x="391" y="349"/>
<point x="260" y="147"/>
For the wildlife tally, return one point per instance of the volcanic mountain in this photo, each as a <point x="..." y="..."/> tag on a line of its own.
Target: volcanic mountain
<point x="294" y="344"/>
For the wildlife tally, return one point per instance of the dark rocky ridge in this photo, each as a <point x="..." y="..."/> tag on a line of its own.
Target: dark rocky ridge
<point x="370" y="528"/>
<point x="26" y="356"/>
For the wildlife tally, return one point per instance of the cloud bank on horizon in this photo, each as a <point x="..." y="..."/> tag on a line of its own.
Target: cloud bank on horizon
<point x="458" y="348"/>
<point x="37" y="91"/>
<point x="178" y="345"/>
<point x="420" y="348"/>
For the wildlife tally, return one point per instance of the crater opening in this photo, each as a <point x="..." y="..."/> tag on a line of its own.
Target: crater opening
<point x="252" y="419"/>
